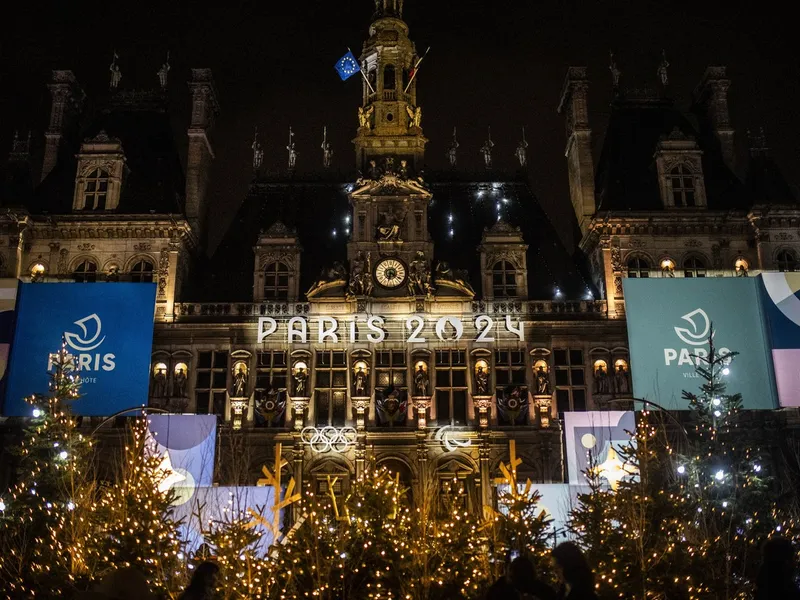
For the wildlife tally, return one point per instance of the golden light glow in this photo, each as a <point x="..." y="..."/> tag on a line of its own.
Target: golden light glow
<point x="667" y="264"/>
<point x="159" y="368"/>
<point x="37" y="270"/>
<point x="181" y="367"/>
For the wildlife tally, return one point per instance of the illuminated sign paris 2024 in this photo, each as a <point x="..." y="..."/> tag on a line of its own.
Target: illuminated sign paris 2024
<point x="374" y="329"/>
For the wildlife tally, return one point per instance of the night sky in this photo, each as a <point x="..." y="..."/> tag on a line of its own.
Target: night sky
<point x="500" y="63"/>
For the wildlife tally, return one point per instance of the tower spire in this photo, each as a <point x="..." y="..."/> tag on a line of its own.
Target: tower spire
<point x="388" y="8"/>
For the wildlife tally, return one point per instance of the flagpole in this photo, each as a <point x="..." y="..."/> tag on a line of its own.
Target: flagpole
<point x="416" y="70"/>
<point x="369" y="85"/>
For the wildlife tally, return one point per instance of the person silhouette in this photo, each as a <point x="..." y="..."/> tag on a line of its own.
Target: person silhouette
<point x="574" y="573"/>
<point x="776" y="577"/>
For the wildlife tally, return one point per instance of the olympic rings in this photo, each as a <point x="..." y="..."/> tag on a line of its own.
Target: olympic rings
<point x="329" y="438"/>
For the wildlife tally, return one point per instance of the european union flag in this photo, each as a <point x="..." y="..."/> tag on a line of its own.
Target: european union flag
<point x="347" y="66"/>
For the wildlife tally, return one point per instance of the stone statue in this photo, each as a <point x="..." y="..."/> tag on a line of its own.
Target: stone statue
<point x="542" y="382"/>
<point x="300" y="377"/>
<point x="240" y="382"/>
<point x="327" y="151"/>
<point x="361" y="276"/>
<point x="360" y="382"/>
<point x="421" y="381"/>
<point x="364" y="116"/>
<point x="116" y="74"/>
<point x="162" y="73"/>
<point x="415" y="116"/>
<point x="292" y="151"/>
<point x="160" y="383"/>
<point x="390" y="230"/>
<point x="452" y="152"/>
<point x="621" y="380"/>
<point x="258" y="153"/>
<point x="180" y="383"/>
<point x="486" y="150"/>
<point x="615" y="72"/>
<point x="522" y="150"/>
<point x="403" y="173"/>
<point x="662" y="69"/>
<point x="419" y="276"/>
<point x="601" y="382"/>
<point x="374" y="170"/>
<point x="482" y="381"/>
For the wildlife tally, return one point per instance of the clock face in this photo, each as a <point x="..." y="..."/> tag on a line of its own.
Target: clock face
<point x="390" y="273"/>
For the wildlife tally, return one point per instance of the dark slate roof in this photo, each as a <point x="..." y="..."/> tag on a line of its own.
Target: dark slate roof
<point x="626" y="176"/>
<point x="765" y="183"/>
<point x="153" y="180"/>
<point x="315" y="207"/>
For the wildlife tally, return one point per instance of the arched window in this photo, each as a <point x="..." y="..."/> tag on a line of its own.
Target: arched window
<point x="142" y="272"/>
<point x="85" y="272"/>
<point x="504" y="280"/>
<point x="639" y="268"/>
<point x="682" y="182"/>
<point x="95" y="190"/>
<point x="694" y="267"/>
<point x="276" y="281"/>
<point x="787" y="261"/>
<point x="389" y="79"/>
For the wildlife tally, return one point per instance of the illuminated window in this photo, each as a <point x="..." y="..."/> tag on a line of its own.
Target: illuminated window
<point x="331" y="388"/>
<point x="85" y="272"/>
<point x="504" y="280"/>
<point x="95" y="190"/>
<point x="638" y="268"/>
<point x="276" y="281"/>
<point x="451" y="387"/>
<point x="694" y="267"/>
<point x="142" y="272"/>
<point x="211" y="382"/>
<point x="682" y="183"/>
<point x="787" y="261"/>
<point x="570" y="374"/>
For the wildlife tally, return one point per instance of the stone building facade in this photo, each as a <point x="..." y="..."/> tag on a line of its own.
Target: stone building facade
<point x="443" y="317"/>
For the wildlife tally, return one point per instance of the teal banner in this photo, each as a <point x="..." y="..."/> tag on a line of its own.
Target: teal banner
<point x="669" y="323"/>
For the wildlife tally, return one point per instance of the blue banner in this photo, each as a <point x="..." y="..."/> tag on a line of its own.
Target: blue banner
<point x="669" y="323"/>
<point x="8" y="304"/>
<point x="107" y="326"/>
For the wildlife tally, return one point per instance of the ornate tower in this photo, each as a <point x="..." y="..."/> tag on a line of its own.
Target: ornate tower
<point x="389" y="118"/>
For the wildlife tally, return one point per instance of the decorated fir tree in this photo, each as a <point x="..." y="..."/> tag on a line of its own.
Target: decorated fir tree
<point x="135" y="526"/>
<point x="726" y="475"/>
<point x="46" y="519"/>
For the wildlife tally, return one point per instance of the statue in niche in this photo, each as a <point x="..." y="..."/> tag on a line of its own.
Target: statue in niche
<point x="615" y="72"/>
<point x="180" y="382"/>
<point x="160" y="382"/>
<point x="621" y="380"/>
<point x="389" y="165"/>
<point x="419" y="276"/>
<point x="116" y="74"/>
<point x="300" y="377"/>
<point x="390" y="230"/>
<point x="601" y="380"/>
<point x="482" y="381"/>
<point x="374" y="170"/>
<point x="415" y="116"/>
<point x="421" y="380"/>
<point x="542" y="381"/>
<point x="240" y="382"/>
<point x="403" y="173"/>
<point x="360" y="381"/>
<point x="486" y="150"/>
<point x="662" y="69"/>
<point x="365" y="116"/>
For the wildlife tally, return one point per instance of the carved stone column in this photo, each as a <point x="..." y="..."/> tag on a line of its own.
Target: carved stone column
<point x="361" y="406"/>
<point x="421" y="405"/>
<point x="238" y="408"/>
<point x="299" y="408"/>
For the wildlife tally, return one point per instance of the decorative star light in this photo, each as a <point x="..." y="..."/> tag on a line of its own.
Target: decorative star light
<point x="171" y="476"/>
<point x="613" y="469"/>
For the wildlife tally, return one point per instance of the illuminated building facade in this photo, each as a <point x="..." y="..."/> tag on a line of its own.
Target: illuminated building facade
<point x="442" y="315"/>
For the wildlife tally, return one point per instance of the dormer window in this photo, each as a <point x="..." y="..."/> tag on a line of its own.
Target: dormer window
<point x="682" y="184"/>
<point x="99" y="179"/>
<point x="504" y="280"/>
<point x="95" y="190"/>
<point x="276" y="282"/>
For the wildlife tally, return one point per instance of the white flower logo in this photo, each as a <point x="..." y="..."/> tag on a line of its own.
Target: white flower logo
<point x="699" y="335"/>
<point x="85" y="343"/>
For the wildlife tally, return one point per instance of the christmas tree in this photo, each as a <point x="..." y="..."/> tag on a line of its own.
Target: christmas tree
<point x="727" y="477"/>
<point x="46" y="519"/>
<point x="134" y="519"/>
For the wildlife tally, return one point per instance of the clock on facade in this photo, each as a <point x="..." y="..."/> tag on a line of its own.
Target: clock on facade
<point x="390" y="273"/>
